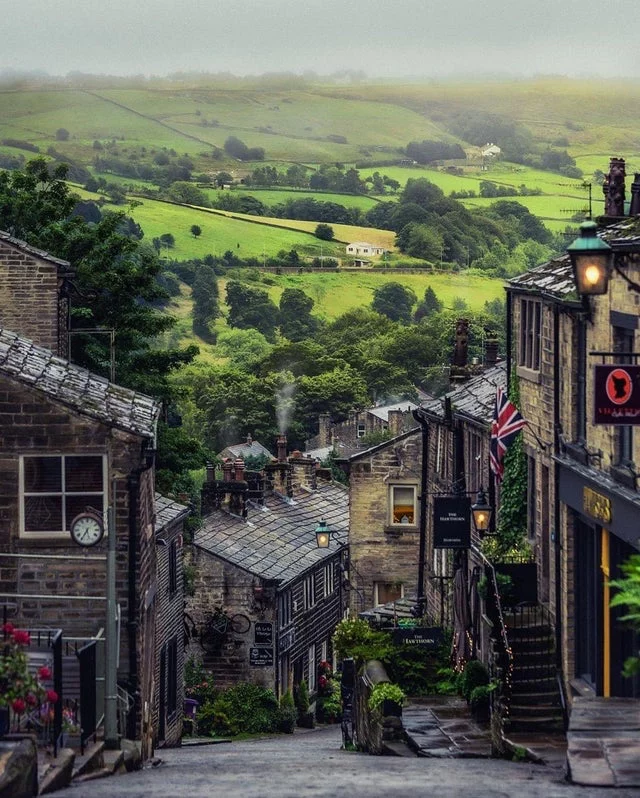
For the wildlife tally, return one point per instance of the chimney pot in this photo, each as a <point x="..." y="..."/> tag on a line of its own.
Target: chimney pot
<point x="249" y="440"/>
<point x="238" y="468"/>
<point x="490" y="352"/>
<point x="281" y="444"/>
<point x="227" y="467"/>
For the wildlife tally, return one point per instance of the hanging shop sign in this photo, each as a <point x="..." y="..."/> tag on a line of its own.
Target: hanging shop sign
<point x="616" y="394"/>
<point x="451" y="522"/>
<point x="426" y="637"/>
<point x="263" y="633"/>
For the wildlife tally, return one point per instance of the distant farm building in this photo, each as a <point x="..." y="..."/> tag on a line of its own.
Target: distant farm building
<point x="491" y="151"/>
<point x="360" y="248"/>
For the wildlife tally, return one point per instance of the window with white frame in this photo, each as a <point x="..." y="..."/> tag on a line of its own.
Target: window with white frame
<point x="361" y="430"/>
<point x="402" y="504"/>
<point x="385" y="592"/>
<point x="530" y="331"/>
<point x="309" y="591"/>
<point x="329" y="579"/>
<point x="54" y="489"/>
<point x="312" y="668"/>
<point x="284" y="608"/>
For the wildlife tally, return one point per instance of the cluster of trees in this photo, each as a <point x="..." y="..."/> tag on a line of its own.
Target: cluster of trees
<point x="236" y="148"/>
<point x="367" y="354"/>
<point x="328" y="177"/>
<point x="116" y="285"/>
<point x="429" y="151"/>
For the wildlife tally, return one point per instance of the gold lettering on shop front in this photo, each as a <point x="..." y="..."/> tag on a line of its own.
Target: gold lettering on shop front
<point x="597" y="505"/>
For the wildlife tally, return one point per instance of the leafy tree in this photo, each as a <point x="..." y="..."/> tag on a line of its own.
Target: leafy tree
<point x="62" y="134"/>
<point x="251" y="308"/>
<point x="335" y="392"/>
<point x="628" y="595"/>
<point x="187" y="194"/>
<point x="421" y="192"/>
<point x="296" y="321"/>
<point x="324" y="231"/>
<point x="223" y="178"/>
<point x="205" y="301"/>
<point x="196" y="230"/>
<point x="244" y="348"/>
<point x="430" y="304"/>
<point x="168" y="240"/>
<point x="395" y="301"/>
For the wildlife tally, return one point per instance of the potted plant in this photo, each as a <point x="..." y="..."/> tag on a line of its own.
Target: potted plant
<point x="70" y="729"/>
<point x="288" y="713"/>
<point x="386" y="698"/>
<point x="21" y="693"/>
<point x="305" y="718"/>
<point x="480" y="701"/>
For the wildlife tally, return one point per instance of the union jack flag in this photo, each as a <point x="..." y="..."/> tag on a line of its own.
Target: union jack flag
<point x="507" y="422"/>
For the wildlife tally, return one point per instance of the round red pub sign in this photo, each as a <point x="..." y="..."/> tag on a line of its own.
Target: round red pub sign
<point x="619" y="386"/>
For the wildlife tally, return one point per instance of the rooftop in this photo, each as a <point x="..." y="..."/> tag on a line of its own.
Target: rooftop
<point x="75" y="387"/>
<point x="382" y="412"/>
<point x="246" y="449"/>
<point x="167" y="511"/>
<point x="475" y="398"/>
<point x="7" y="238"/>
<point x="278" y="541"/>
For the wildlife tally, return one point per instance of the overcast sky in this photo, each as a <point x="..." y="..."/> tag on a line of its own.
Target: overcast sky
<point x="381" y="37"/>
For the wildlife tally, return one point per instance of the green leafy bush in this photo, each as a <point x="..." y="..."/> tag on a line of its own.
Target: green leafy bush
<point x="385" y="691"/>
<point x="628" y="595"/>
<point x="302" y="698"/>
<point x="474" y="675"/>
<point x="288" y="713"/>
<point x="242" y="709"/>
<point x="355" y="638"/>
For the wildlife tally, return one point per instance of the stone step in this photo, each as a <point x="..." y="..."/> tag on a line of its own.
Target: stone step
<point x="534" y="710"/>
<point x="522" y="684"/>
<point x="58" y="773"/>
<point x="547" y="698"/>
<point x="537" y="725"/>
<point x="533" y="644"/>
<point x="92" y="759"/>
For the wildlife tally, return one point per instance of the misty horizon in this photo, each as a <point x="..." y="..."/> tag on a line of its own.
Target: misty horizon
<point x="405" y="39"/>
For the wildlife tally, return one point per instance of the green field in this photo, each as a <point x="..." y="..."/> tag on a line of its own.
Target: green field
<point x="273" y="196"/>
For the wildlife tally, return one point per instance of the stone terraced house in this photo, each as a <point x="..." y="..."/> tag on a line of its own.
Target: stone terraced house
<point x="69" y="440"/>
<point x="257" y="564"/>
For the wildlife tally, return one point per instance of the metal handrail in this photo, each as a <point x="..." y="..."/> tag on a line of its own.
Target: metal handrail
<point x="506" y="669"/>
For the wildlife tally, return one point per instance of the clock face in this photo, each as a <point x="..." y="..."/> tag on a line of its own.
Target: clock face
<point x="86" y="529"/>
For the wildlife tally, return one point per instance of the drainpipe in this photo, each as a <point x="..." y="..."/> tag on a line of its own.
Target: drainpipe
<point x="133" y="484"/>
<point x="556" y="485"/>
<point x="508" y="343"/>
<point x="422" y="529"/>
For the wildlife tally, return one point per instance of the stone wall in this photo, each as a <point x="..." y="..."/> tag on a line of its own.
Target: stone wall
<point x="380" y="552"/>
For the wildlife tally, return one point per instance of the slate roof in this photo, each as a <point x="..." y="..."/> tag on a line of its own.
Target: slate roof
<point x="278" y="541"/>
<point x="75" y="387"/>
<point x="555" y="277"/>
<point x="382" y="412"/>
<point x="168" y="511"/>
<point x="7" y="238"/>
<point x="253" y="449"/>
<point x="475" y="398"/>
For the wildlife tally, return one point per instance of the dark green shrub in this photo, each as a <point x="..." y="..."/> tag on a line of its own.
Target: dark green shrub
<point x="474" y="675"/>
<point x="302" y="698"/>
<point x="288" y="714"/>
<point x="243" y="709"/>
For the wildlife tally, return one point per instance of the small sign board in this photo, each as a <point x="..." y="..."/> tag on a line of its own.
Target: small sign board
<point x="260" y="656"/>
<point x="427" y="637"/>
<point x="451" y="522"/>
<point x="263" y="633"/>
<point x="616" y="394"/>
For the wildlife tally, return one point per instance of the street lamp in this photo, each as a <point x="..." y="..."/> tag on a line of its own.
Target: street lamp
<point x="591" y="258"/>
<point x="323" y="535"/>
<point x="481" y="512"/>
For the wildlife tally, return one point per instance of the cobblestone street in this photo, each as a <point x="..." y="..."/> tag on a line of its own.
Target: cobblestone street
<point x="312" y="764"/>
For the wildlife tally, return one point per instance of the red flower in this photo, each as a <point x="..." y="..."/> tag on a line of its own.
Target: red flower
<point x="52" y="696"/>
<point x="322" y="681"/>
<point x="21" y="637"/>
<point x="8" y="628"/>
<point x="18" y="706"/>
<point x="44" y="672"/>
<point x="31" y="700"/>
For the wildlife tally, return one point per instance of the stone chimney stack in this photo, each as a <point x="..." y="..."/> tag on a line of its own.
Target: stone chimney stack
<point x="303" y="472"/>
<point x="324" y="430"/>
<point x="281" y="444"/>
<point x="634" y="208"/>
<point x="249" y="440"/>
<point x="613" y="188"/>
<point x="490" y="352"/>
<point x="395" y="422"/>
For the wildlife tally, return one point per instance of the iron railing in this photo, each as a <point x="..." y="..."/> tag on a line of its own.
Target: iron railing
<point x="501" y="659"/>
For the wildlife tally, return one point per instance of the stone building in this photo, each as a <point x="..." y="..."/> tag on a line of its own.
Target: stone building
<point x="386" y="505"/>
<point x="347" y="435"/>
<point x="70" y="440"/>
<point x="584" y="502"/>
<point x="259" y="572"/>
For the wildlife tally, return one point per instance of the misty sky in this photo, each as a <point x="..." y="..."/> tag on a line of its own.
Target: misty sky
<point x="381" y="37"/>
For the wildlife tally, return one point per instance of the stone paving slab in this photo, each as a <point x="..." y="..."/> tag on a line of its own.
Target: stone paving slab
<point x="444" y="731"/>
<point x="603" y="742"/>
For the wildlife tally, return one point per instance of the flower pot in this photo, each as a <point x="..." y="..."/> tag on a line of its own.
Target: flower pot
<point x="391" y="708"/>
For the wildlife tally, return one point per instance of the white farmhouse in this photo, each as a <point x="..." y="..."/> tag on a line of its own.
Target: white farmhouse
<point x="360" y="248"/>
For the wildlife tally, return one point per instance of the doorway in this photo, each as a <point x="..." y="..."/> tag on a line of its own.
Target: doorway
<point x="588" y="604"/>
